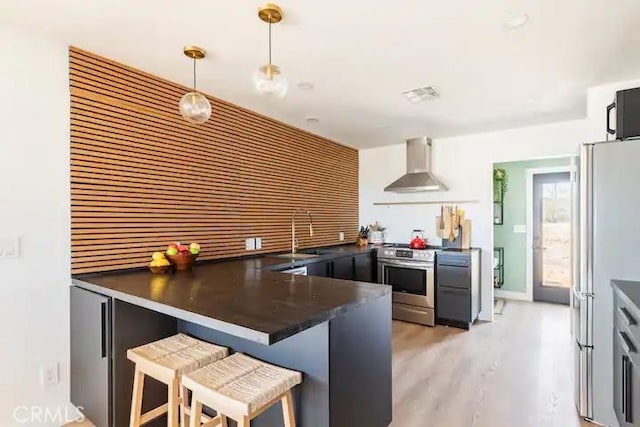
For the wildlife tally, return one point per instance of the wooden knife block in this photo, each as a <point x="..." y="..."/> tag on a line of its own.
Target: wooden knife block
<point x="463" y="238"/>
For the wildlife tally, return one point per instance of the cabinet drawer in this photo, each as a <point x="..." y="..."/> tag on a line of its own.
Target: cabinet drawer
<point x="627" y="315"/>
<point x="453" y="304"/>
<point x="460" y="260"/>
<point x="453" y="276"/>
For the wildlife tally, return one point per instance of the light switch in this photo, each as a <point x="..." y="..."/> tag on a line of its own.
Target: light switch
<point x="520" y="229"/>
<point x="341" y="236"/>
<point x="258" y="243"/>
<point x="9" y="247"/>
<point x="250" y="244"/>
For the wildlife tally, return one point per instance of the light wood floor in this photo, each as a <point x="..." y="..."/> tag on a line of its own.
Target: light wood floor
<point x="517" y="371"/>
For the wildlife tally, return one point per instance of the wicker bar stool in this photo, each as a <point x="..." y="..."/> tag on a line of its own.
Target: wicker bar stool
<point x="166" y="361"/>
<point x="241" y="388"/>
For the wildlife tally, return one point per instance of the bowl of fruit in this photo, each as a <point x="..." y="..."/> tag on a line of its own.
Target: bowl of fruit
<point x="182" y="256"/>
<point x="159" y="264"/>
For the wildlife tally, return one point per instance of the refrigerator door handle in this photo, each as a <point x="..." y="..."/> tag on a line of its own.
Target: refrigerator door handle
<point x="579" y="296"/>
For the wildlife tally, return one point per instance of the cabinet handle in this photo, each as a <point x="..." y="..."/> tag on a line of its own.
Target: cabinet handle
<point x="626" y="317"/>
<point x="627" y="345"/>
<point x="103" y="330"/>
<point x="627" y="400"/>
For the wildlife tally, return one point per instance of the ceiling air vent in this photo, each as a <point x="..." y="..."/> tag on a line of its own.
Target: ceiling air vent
<point x="420" y="94"/>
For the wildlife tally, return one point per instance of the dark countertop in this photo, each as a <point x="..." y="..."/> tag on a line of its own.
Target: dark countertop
<point x="244" y="297"/>
<point x="630" y="289"/>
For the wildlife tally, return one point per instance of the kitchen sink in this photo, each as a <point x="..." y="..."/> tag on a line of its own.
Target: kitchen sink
<point x="317" y="252"/>
<point x="297" y="255"/>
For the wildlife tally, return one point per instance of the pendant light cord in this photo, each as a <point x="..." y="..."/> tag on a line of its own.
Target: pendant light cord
<point x="194" y="74"/>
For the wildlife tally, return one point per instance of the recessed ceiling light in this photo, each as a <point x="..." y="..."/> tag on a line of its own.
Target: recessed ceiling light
<point x="515" y="21"/>
<point x="420" y="94"/>
<point x="312" y="120"/>
<point x="305" y="85"/>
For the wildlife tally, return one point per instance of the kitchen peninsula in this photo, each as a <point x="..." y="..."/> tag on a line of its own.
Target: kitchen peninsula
<point x="337" y="332"/>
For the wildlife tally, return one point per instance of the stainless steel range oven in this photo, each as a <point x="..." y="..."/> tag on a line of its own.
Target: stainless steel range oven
<point x="411" y="274"/>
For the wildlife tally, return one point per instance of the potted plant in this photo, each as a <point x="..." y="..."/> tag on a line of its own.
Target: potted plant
<point x="500" y="184"/>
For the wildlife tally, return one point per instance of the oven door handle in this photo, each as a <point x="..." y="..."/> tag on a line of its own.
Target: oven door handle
<point x="418" y="265"/>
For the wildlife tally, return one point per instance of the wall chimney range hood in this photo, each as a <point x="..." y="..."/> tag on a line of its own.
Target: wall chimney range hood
<point x="418" y="177"/>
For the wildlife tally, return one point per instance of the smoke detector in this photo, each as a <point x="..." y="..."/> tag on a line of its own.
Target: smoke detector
<point x="427" y="93"/>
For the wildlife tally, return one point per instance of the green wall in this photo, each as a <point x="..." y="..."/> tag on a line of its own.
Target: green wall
<point x="515" y="213"/>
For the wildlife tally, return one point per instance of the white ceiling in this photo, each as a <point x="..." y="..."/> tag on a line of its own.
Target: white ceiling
<point x="361" y="54"/>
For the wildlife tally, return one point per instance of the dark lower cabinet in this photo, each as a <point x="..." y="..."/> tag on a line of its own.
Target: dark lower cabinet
<point x="365" y="268"/>
<point x="457" y="288"/>
<point x="321" y="269"/>
<point x="361" y="268"/>
<point x="101" y="375"/>
<point x="626" y="361"/>
<point x="454" y="304"/>
<point x="342" y="268"/>
<point x="626" y="382"/>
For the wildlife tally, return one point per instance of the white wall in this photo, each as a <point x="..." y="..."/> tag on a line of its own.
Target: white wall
<point x="34" y="205"/>
<point x="598" y="97"/>
<point x="464" y="164"/>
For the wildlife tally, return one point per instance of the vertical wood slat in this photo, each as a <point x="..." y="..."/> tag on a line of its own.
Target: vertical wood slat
<point x="142" y="177"/>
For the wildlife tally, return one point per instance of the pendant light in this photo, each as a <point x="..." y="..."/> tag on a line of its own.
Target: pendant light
<point x="268" y="79"/>
<point x="194" y="106"/>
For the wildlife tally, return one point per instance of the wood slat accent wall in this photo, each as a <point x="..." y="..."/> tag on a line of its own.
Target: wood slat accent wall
<point x="142" y="177"/>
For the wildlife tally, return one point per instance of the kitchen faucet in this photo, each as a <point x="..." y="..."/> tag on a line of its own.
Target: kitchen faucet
<point x="294" y="241"/>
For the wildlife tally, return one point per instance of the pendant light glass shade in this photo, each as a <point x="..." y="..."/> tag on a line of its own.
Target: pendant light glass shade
<point x="273" y="87"/>
<point x="268" y="80"/>
<point x="195" y="107"/>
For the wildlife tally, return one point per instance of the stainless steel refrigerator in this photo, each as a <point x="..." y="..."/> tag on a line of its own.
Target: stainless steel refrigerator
<point x="606" y="246"/>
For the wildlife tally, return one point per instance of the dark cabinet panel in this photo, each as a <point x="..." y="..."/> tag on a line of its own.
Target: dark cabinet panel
<point x="626" y="361"/>
<point x="342" y="268"/>
<point x="365" y="268"/>
<point x="90" y="328"/>
<point x="453" y="276"/>
<point x="454" y="304"/>
<point x="458" y="288"/>
<point x="319" y="269"/>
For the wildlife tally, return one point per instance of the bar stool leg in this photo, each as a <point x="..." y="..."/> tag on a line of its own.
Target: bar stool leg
<point x="174" y="403"/>
<point x="196" y="412"/>
<point x="136" y="398"/>
<point x="287" y="410"/>
<point x="184" y="405"/>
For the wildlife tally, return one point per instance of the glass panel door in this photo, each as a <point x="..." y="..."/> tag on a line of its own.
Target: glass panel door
<point x="552" y="237"/>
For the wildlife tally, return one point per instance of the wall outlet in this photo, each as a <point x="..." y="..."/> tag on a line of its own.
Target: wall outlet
<point x="258" y="243"/>
<point x="9" y="247"/>
<point x="49" y="375"/>
<point x="250" y="244"/>
<point x="520" y="229"/>
<point x="341" y="236"/>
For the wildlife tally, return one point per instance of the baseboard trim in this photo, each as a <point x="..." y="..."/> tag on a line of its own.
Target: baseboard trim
<point x="520" y="296"/>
